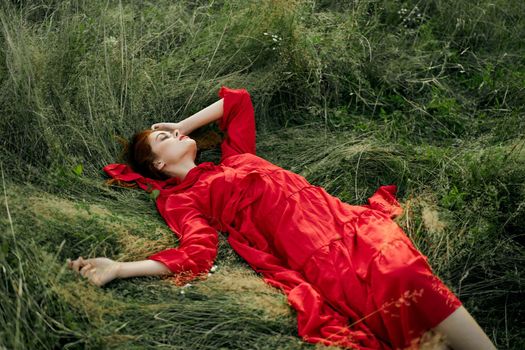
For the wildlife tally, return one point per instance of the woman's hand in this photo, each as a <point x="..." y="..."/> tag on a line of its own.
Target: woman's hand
<point x="170" y="127"/>
<point x="98" y="271"/>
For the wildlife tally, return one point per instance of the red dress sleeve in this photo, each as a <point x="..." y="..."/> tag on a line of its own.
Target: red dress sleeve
<point x="385" y="200"/>
<point x="317" y="320"/>
<point x="197" y="240"/>
<point x="237" y="122"/>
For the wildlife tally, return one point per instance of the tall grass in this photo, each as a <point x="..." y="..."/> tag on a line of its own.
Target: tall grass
<point x="352" y="95"/>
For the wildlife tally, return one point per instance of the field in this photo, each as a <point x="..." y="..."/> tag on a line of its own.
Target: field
<point x="427" y="95"/>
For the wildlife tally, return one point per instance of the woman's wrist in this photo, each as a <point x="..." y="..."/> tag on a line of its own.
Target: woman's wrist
<point x="118" y="268"/>
<point x="185" y="127"/>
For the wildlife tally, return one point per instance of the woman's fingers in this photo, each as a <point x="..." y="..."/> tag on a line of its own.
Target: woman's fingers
<point x="97" y="271"/>
<point x="77" y="264"/>
<point x="164" y="126"/>
<point x="92" y="276"/>
<point x="85" y="269"/>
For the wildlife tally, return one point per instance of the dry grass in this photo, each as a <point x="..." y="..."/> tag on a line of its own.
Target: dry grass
<point x="249" y="290"/>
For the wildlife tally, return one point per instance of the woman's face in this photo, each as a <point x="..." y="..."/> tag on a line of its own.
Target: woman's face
<point x="171" y="147"/>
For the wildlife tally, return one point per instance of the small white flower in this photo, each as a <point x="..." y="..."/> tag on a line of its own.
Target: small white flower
<point x="213" y="268"/>
<point x="186" y="285"/>
<point x="209" y="274"/>
<point x="181" y="292"/>
<point x="110" y="40"/>
<point x="265" y="33"/>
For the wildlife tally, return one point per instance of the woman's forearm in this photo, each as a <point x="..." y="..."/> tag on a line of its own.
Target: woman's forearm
<point x="146" y="267"/>
<point x="204" y="116"/>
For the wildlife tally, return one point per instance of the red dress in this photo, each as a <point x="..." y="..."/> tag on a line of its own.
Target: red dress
<point x="351" y="273"/>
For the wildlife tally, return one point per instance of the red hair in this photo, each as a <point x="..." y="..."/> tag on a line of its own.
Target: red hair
<point x="137" y="153"/>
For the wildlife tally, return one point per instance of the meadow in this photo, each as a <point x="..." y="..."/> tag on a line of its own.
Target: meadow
<point x="427" y="95"/>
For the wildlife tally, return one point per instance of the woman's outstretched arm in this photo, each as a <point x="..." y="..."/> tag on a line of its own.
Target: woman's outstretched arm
<point x="142" y="268"/>
<point x="101" y="271"/>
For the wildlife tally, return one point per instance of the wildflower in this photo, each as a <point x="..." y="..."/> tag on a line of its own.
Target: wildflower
<point x="110" y="40"/>
<point x="213" y="268"/>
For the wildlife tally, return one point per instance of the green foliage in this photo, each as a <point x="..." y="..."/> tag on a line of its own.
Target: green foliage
<point x="453" y="199"/>
<point x="78" y="169"/>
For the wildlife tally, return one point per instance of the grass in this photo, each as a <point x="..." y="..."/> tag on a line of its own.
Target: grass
<point x="352" y="95"/>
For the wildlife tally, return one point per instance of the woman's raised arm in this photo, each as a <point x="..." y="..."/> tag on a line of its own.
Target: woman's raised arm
<point x="234" y="115"/>
<point x="205" y="116"/>
<point x="238" y="122"/>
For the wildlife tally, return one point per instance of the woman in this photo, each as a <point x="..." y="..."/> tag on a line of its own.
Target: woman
<point x="351" y="273"/>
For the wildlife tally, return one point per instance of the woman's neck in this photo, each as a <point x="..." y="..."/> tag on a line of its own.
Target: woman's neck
<point x="180" y="170"/>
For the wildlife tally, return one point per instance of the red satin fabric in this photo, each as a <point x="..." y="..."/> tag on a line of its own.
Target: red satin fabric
<point x="351" y="273"/>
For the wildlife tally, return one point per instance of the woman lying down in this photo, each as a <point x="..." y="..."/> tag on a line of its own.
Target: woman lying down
<point x="351" y="273"/>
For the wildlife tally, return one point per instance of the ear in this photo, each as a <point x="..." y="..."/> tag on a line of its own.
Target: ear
<point x="159" y="164"/>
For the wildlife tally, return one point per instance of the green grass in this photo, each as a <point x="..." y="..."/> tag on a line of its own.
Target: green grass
<point x="351" y="95"/>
